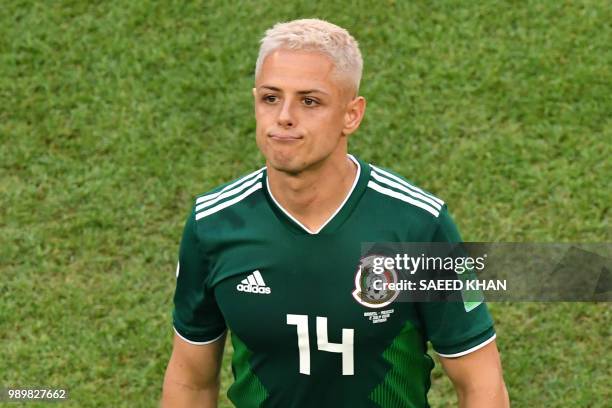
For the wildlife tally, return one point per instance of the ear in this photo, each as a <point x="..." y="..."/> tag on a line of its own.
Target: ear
<point x="353" y="115"/>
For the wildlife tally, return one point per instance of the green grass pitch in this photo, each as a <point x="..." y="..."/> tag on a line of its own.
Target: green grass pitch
<point x="115" y="114"/>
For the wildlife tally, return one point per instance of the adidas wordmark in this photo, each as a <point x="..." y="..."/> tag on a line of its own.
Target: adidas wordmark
<point x="254" y="283"/>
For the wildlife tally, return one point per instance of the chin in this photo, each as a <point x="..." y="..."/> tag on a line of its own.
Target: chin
<point x="286" y="166"/>
<point x="286" y="163"/>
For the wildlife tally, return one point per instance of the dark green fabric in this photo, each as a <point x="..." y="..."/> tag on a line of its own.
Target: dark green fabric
<point x="313" y="276"/>
<point x="246" y="391"/>
<point x="407" y="382"/>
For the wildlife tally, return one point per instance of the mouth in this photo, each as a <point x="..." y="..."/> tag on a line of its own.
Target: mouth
<point x="283" y="137"/>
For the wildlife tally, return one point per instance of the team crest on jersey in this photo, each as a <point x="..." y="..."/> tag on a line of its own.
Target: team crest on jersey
<point x="365" y="288"/>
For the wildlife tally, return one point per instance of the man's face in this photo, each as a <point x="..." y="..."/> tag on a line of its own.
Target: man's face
<point x="301" y="110"/>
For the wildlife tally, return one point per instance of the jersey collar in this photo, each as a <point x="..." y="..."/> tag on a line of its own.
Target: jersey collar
<point x="341" y="213"/>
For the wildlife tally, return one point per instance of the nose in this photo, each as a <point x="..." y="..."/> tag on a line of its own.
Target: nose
<point x="285" y="116"/>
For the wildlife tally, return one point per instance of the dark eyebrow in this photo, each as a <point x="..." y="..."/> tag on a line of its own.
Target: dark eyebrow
<point x="304" y="92"/>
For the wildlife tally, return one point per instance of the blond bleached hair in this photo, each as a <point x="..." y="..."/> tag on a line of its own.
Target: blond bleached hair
<point x="313" y="34"/>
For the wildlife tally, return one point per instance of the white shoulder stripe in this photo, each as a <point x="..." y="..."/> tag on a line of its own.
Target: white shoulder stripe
<point x="229" y="193"/>
<point x="405" y="183"/>
<point x="235" y="183"/>
<point x="401" y="187"/>
<point x="403" y="197"/>
<point x="228" y="203"/>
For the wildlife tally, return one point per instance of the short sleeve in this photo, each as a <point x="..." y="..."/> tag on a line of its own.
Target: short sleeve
<point x="196" y="316"/>
<point x="455" y="328"/>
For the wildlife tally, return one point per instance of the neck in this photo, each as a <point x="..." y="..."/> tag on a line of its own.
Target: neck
<point x="313" y="195"/>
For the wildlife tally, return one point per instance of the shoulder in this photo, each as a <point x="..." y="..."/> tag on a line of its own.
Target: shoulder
<point x="227" y="195"/>
<point x="400" y="194"/>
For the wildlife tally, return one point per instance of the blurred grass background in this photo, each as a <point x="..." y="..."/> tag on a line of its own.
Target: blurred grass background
<point x="115" y="114"/>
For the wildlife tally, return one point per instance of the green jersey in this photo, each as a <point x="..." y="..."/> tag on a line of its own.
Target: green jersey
<point x="301" y="337"/>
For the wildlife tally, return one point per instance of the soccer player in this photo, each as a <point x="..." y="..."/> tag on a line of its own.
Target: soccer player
<point x="272" y="257"/>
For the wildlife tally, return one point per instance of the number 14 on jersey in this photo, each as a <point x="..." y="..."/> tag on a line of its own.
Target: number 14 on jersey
<point x="345" y="348"/>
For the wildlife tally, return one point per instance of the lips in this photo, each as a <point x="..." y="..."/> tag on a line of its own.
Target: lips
<point x="284" y="137"/>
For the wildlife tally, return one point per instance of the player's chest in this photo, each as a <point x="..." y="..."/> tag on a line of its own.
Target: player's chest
<point x="273" y="292"/>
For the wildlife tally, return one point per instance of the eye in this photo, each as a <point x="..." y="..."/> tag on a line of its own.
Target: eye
<point x="269" y="98"/>
<point x="310" y="102"/>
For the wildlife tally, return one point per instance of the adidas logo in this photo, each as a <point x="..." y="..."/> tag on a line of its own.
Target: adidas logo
<point x="254" y="283"/>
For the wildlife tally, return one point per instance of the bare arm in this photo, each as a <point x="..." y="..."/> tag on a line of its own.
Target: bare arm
<point x="478" y="378"/>
<point x="192" y="376"/>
